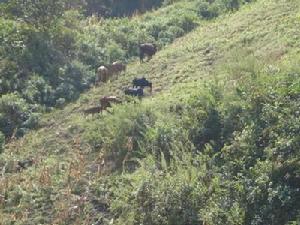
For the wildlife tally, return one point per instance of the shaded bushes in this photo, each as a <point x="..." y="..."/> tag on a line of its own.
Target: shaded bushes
<point x="159" y="198"/>
<point x="105" y="41"/>
<point x="120" y="7"/>
<point x="114" y="133"/>
<point x="16" y="115"/>
<point x="2" y="142"/>
<point x="229" y="158"/>
<point x="50" y="63"/>
<point x="209" y="9"/>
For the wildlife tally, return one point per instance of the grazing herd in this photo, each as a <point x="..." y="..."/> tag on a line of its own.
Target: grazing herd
<point x="105" y="72"/>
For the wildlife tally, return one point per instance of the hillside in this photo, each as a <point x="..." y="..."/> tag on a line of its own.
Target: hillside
<point x="216" y="143"/>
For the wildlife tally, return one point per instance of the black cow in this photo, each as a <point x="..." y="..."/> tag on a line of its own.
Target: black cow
<point x="142" y="82"/>
<point x="147" y="49"/>
<point x="24" y="164"/>
<point x="134" y="92"/>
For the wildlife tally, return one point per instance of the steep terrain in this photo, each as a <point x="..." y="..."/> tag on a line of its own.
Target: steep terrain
<point x="75" y="157"/>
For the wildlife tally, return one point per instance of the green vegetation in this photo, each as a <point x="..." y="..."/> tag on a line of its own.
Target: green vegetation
<point x="119" y="7"/>
<point x="50" y="51"/>
<point x="217" y="142"/>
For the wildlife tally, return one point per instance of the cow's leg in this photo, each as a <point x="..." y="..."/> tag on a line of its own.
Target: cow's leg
<point x="141" y="57"/>
<point x="96" y="81"/>
<point x="102" y="78"/>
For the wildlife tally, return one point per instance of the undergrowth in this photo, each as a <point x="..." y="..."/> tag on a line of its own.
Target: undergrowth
<point x="218" y="144"/>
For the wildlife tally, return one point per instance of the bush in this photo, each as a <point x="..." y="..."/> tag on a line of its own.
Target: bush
<point x="207" y="10"/>
<point x="232" y="4"/>
<point x="2" y="142"/>
<point x="176" y="31"/>
<point x="183" y="19"/>
<point x="155" y="28"/>
<point x="60" y="103"/>
<point x="15" y="115"/>
<point x="119" y="8"/>
<point x="165" y="37"/>
<point x="37" y="90"/>
<point x="74" y="78"/>
<point x="114" y="132"/>
<point x="115" y="52"/>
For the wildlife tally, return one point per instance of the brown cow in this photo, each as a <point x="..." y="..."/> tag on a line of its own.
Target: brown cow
<point x="148" y="49"/>
<point x="105" y="102"/>
<point x="117" y="67"/>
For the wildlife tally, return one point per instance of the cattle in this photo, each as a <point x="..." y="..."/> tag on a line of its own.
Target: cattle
<point x="105" y="102"/>
<point x="142" y="82"/>
<point x="102" y="74"/>
<point x="134" y="92"/>
<point x="148" y="49"/>
<point x="24" y="164"/>
<point x="105" y="72"/>
<point x="117" y="67"/>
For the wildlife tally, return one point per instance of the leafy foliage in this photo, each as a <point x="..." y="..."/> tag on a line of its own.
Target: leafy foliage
<point x="50" y="52"/>
<point x="219" y="144"/>
<point x="2" y="142"/>
<point x="247" y="174"/>
<point x="16" y="115"/>
<point x="120" y="7"/>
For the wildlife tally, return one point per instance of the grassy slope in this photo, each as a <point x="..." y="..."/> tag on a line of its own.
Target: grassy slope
<point x="268" y="29"/>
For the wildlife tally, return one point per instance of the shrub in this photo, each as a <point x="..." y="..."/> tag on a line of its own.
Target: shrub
<point x="155" y="28"/>
<point x="183" y="19"/>
<point x="15" y="115"/>
<point x="114" y="52"/>
<point x="114" y="132"/>
<point x="37" y="90"/>
<point x="176" y="31"/>
<point x="232" y="4"/>
<point x="60" y="103"/>
<point x="74" y="78"/>
<point x="2" y="142"/>
<point x="165" y="37"/>
<point x="207" y="10"/>
<point x="119" y="8"/>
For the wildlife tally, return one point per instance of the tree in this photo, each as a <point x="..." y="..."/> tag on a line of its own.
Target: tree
<point x="39" y="13"/>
